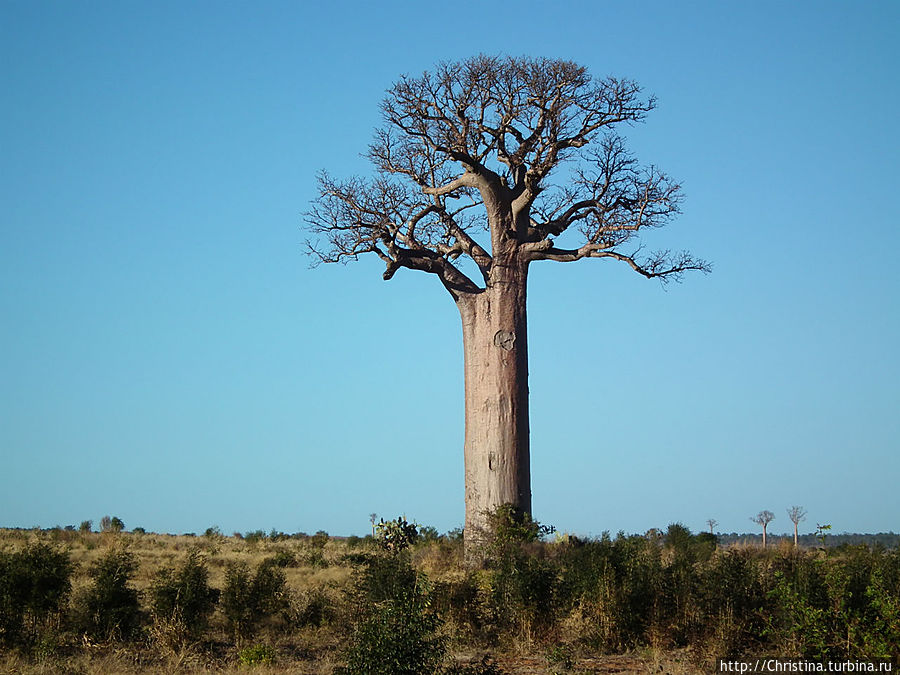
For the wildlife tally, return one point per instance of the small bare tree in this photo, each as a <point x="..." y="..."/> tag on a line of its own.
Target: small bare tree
<point x="712" y="522"/>
<point x="763" y="518"/>
<point x="796" y="514"/>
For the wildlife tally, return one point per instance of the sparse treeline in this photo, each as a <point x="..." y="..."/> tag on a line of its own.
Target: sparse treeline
<point x="346" y="606"/>
<point x="812" y="540"/>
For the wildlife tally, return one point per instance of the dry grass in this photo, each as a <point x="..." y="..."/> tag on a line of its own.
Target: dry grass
<point x="317" y="573"/>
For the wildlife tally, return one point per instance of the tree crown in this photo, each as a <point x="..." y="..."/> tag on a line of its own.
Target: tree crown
<point x="469" y="148"/>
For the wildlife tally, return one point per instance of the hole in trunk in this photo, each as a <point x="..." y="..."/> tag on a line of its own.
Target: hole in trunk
<point x="504" y="339"/>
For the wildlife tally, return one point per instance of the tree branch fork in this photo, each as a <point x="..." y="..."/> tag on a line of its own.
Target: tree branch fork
<point x="468" y="150"/>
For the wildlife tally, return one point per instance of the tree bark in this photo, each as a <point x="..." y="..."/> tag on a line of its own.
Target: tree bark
<point x="495" y="344"/>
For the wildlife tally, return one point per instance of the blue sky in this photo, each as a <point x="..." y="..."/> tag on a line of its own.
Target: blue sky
<point x="168" y="356"/>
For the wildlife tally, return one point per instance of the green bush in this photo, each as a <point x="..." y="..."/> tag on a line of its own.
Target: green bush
<point x="246" y="600"/>
<point x="34" y="586"/>
<point x="283" y="559"/>
<point x="523" y="592"/>
<point x="396" y="535"/>
<point x="428" y="534"/>
<point x="181" y="599"/>
<point x="512" y="527"/>
<point x="254" y="537"/>
<point x="110" y="608"/>
<point x="257" y="655"/>
<point x="398" y="633"/>
<point x="319" y="539"/>
<point x="396" y="627"/>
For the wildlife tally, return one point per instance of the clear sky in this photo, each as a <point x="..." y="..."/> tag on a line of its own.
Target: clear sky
<point x="168" y="356"/>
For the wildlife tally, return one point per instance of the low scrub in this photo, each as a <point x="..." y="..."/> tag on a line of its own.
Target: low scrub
<point x="407" y="604"/>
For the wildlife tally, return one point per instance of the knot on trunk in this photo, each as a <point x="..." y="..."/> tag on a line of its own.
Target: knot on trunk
<point x="505" y="340"/>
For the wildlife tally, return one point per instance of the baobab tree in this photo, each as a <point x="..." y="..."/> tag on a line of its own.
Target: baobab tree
<point x="462" y="190"/>
<point x="712" y="522"/>
<point x="763" y="518"/>
<point x="796" y="514"/>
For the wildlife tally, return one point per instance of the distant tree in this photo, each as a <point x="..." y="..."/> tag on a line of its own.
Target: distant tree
<point x="373" y="518"/>
<point x="86" y="526"/>
<point x="763" y="518"/>
<point x="712" y="522"/>
<point x="465" y="166"/>
<point x="796" y="514"/>
<point x="111" y="524"/>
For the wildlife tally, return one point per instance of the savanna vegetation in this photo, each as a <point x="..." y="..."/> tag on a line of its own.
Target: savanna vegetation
<point x="403" y="601"/>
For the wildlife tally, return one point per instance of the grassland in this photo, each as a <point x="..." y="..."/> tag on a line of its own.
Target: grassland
<point x="626" y="605"/>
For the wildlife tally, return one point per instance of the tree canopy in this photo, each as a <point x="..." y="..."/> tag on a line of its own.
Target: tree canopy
<point x="470" y="149"/>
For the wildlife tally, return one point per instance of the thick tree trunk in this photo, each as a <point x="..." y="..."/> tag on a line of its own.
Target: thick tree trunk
<point x="495" y="342"/>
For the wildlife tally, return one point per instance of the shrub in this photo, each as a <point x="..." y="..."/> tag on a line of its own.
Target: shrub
<point x="213" y="533"/>
<point x="731" y="598"/>
<point x="511" y="528"/>
<point x="182" y="600"/>
<point x="397" y="627"/>
<point x="428" y="534"/>
<point x="110" y="608"/>
<point x="456" y="534"/>
<point x="34" y="585"/>
<point x="315" y="558"/>
<point x="396" y="535"/>
<point x="383" y="577"/>
<point x="560" y="658"/>
<point x="396" y="636"/>
<point x="882" y="636"/>
<point x="523" y="591"/>
<point x="277" y="535"/>
<point x="457" y="601"/>
<point x="255" y="537"/>
<point x="246" y="600"/>
<point x="86" y="526"/>
<point x="283" y="559"/>
<point x="678" y="537"/>
<point x="257" y="655"/>
<point x="311" y="607"/>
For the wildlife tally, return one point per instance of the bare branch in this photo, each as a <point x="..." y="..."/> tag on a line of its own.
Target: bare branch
<point x="381" y="217"/>
<point x="662" y="265"/>
<point x="487" y="132"/>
